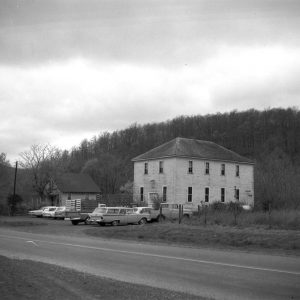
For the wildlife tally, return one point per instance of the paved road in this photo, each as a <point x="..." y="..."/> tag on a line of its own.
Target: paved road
<point x="211" y="273"/>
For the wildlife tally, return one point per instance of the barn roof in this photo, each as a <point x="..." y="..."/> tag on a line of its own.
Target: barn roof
<point x="191" y="148"/>
<point x="76" y="183"/>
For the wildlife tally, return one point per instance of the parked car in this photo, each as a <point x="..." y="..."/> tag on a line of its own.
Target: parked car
<point x="96" y="214"/>
<point x="60" y="213"/>
<point x="78" y="210"/>
<point x="39" y="212"/>
<point x="118" y="216"/>
<point x="49" y="212"/>
<point x="170" y="211"/>
<point x="146" y="210"/>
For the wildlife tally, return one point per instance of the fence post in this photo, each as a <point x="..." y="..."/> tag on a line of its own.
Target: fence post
<point x="179" y="213"/>
<point x="269" y="214"/>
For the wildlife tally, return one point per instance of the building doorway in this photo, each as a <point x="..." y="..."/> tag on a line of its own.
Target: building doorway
<point x="153" y="199"/>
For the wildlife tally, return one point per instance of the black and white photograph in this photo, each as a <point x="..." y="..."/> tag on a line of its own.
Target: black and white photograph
<point x="150" y="149"/>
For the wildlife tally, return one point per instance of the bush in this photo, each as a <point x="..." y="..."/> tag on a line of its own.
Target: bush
<point x="218" y="206"/>
<point x="3" y="209"/>
<point x="13" y="203"/>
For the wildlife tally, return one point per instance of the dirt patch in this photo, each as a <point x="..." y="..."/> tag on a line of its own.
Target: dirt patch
<point x="24" y="279"/>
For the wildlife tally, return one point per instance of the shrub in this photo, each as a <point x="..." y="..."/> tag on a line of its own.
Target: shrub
<point x="13" y="202"/>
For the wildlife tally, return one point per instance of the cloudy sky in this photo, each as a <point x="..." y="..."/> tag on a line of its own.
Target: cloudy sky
<point x="73" y="69"/>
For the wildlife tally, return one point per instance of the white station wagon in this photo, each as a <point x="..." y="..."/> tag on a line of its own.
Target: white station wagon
<point x="118" y="216"/>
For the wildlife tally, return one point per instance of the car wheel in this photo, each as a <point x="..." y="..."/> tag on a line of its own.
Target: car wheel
<point x="74" y="222"/>
<point x="114" y="223"/>
<point x="101" y="224"/>
<point x="143" y="221"/>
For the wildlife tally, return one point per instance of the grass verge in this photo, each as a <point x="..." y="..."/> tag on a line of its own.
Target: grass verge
<point x="281" y="241"/>
<point x="24" y="279"/>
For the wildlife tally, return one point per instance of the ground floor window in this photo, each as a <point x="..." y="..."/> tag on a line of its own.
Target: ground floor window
<point x="190" y="194"/>
<point x="222" y="194"/>
<point x="237" y="194"/>
<point x="142" y="193"/>
<point x="164" y="199"/>
<point x="206" y="194"/>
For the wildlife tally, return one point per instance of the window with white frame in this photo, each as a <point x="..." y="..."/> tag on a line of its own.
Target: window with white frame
<point x="190" y="194"/>
<point x="223" y="169"/>
<point x="206" y="194"/>
<point x="146" y="168"/>
<point x="207" y="168"/>
<point x="190" y="169"/>
<point x="222" y="194"/>
<point x="164" y="199"/>
<point x="237" y="171"/>
<point x="161" y="167"/>
<point x="141" y="193"/>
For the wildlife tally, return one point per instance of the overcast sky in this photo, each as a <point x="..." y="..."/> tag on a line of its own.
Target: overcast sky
<point x="70" y="70"/>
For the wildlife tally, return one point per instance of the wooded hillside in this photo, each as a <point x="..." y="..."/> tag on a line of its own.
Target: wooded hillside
<point x="270" y="137"/>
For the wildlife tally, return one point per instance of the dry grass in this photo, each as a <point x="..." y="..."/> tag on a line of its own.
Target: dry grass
<point x="251" y="233"/>
<point x="258" y="239"/>
<point x="278" y="219"/>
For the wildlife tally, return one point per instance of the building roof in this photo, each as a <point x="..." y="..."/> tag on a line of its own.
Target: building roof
<point x="190" y="148"/>
<point x="76" y="183"/>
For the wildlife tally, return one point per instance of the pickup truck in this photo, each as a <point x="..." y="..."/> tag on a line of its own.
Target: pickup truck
<point x="78" y="210"/>
<point x="168" y="211"/>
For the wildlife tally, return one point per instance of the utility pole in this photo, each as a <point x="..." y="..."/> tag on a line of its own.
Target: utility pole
<point x="15" y="181"/>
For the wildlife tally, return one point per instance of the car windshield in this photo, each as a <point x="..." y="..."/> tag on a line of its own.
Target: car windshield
<point x="60" y="208"/>
<point x="99" y="210"/>
<point x="52" y="208"/>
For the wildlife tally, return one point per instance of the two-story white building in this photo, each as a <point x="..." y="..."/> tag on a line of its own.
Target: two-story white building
<point x="193" y="172"/>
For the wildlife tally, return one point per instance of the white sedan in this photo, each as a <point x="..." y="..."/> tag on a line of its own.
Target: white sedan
<point x="39" y="212"/>
<point x="49" y="212"/>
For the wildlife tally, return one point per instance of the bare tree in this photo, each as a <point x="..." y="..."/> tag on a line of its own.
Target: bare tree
<point x="44" y="161"/>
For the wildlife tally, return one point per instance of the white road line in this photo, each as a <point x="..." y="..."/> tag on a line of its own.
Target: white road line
<point x="32" y="242"/>
<point x="160" y="256"/>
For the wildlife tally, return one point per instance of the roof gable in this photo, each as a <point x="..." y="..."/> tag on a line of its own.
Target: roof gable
<point x="76" y="183"/>
<point x="182" y="147"/>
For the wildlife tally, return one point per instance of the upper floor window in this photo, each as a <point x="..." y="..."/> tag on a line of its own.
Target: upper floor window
<point x="190" y="194"/>
<point x="237" y="170"/>
<point x="206" y="194"/>
<point x="223" y="169"/>
<point x="222" y="194"/>
<point x="146" y="168"/>
<point x="207" y="168"/>
<point x="161" y="167"/>
<point x="164" y="199"/>
<point x="190" y="170"/>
